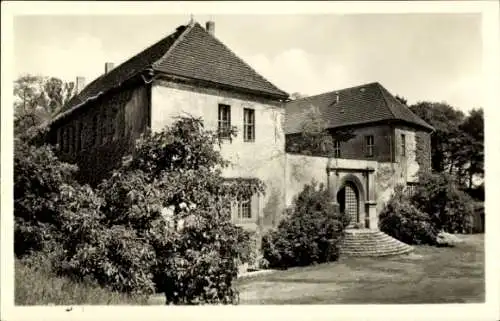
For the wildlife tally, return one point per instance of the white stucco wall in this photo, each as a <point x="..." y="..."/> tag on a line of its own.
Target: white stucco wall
<point x="264" y="158"/>
<point x="408" y="163"/>
<point x="302" y="170"/>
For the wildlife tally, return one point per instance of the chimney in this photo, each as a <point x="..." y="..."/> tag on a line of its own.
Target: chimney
<point x="80" y="83"/>
<point x="210" y="26"/>
<point x="108" y="66"/>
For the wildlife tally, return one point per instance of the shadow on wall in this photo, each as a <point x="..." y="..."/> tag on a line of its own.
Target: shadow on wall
<point x="272" y="208"/>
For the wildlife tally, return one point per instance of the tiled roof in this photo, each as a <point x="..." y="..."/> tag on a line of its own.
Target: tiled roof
<point x="189" y="52"/>
<point x="357" y="105"/>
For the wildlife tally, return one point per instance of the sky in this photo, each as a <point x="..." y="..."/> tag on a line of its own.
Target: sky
<point x="422" y="57"/>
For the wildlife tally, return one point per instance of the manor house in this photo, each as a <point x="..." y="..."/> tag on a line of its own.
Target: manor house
<point x="191" y="71"/>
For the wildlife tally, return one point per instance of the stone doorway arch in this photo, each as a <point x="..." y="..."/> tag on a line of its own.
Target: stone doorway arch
<point x="348" y="200"/>
<point x="360" y="183"/>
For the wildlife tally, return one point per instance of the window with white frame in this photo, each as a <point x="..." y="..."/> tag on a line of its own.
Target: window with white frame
<point x="224" y="121"/>
<point x="248" y="125"/>
<point x="244" y="208"/>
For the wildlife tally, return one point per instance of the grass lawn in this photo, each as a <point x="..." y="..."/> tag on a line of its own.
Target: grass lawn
<point x="36" y="285"/>
<point x="428" y="275"/>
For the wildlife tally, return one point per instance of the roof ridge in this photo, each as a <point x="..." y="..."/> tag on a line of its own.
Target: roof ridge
<point x="386" y="93"/>
<point x="243" y="62"/>
<point x="387" y="104"/>
<point x="142" y="51"/>
<point x="337" y="90"/>
<point x="179" y="39"/>
<point x="73" y="102"/>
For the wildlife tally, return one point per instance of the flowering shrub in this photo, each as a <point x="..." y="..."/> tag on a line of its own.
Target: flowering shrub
<point x="310" y="233"/>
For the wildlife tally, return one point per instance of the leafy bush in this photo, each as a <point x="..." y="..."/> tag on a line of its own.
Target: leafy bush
<point x="405" y="222"/>
<point x="162" y="222"/>
<point x="38" y="179"/>
<point x="310" y="233"/>
<point x="449" y="208"/>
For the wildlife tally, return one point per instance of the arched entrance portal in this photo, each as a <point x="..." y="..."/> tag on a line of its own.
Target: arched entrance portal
<point x="348" y="200"/>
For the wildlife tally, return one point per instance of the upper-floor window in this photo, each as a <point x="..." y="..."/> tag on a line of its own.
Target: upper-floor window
<point x="64" y="139"/>
<point x="70" y="139"/>
<point x="336" y="149"/>
<point x="403" y="145"/>
<point x="94" y="132"/>
<point x="59" y="140"/>
<point x="104" y="125"/>
<point x="112" y="122"/>
<point x="224" y="124"/>
<point x="77" y="136"/>
<point x="248" y="125"/>
<point x="369" y="145"/>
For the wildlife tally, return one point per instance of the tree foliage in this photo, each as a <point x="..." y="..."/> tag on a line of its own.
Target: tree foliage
<point x="39" y="177"/>
<point x="37" y="99"/>
<point x="315" y="138"/>
<point x="402" y="220"/>
<point x="161" y="222"/>
<point x="449" y="208"/>
<point x="457" y="144"/>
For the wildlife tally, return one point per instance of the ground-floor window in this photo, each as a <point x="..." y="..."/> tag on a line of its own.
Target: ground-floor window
<point x="410" y="188"/>
<point x="244" y="208"/>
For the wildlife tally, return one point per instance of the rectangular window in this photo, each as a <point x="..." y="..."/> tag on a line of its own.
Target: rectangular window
<point x="369" y="145"/>
<point x="410" y="188"/>
<point x="224" y="127"/>
<point x="70" y="139"/>
<point x="248" y="125"/>
<point x="244" y="209"/>
<point x="94" y="140"/>
<point x="59" y="140"/>
<point x="64" y="137"/>
<point x="336" y="149"/>
<point x="76" y="137"/>
<point x="104" y="125"/>
<point x="403" y="145"/>
<point x="112" y="123"/>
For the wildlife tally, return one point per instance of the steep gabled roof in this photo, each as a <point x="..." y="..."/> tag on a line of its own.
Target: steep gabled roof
<point x="189" y="52"/>
<point x="363" y="104"/>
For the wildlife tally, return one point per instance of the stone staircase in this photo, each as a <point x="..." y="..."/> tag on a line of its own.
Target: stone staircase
<point x="365" y="242"/>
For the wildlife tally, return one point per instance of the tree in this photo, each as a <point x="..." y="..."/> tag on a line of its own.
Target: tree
<point x="38" y="99"/>
<point x="297" y="95"/>
<point x="161" y="220"/>
<point x="315" y="137"/>
<point x="402" y="100"/>
<point x="473" y="152"/>
<point x="457" y="142"/>
<point x="447" y="136"/>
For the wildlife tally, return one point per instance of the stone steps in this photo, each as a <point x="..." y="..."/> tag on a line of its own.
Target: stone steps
<point x="365" y="242"/>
